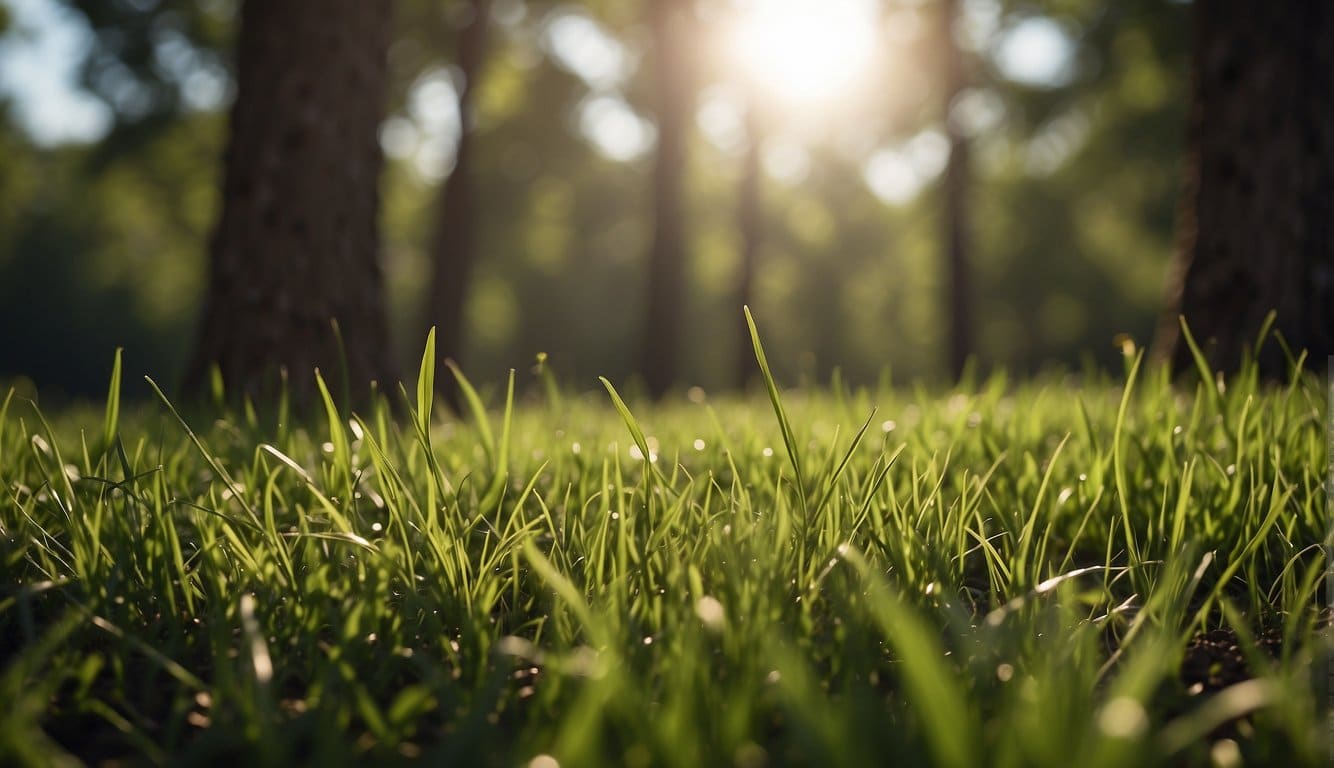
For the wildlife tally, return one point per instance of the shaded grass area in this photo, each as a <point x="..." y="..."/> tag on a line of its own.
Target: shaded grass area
<point x="1072" y="569"/>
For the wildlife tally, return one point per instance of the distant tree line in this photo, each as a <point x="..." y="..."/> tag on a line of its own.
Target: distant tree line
<point x="295" y="278"/>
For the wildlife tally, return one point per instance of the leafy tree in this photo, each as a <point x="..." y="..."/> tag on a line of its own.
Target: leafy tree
<point x="152" y="62"/>
<point x="295" y="281"/>
<point x="670" y="22"/>
<point x="956" y="189"/>
<point x="1077" y="184"/>
<point x="453" y="248"/>
<point x="750" y="228"/>
<point x="1259" y="194"/>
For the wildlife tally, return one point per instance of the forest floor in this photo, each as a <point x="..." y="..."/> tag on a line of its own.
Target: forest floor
<point x="1115" y="571"/>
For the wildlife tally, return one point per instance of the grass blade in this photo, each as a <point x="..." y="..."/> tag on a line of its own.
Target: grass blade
<point x="111" y="420"/>
<point x="789" y="437"/>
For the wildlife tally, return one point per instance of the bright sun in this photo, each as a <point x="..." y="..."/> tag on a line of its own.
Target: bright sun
<point x="804" y="51"/>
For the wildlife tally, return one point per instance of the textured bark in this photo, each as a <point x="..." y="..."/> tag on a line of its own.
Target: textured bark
<point x="751" y="227"/>
<point x="1258" y="197"/>
<point x="454" y="246"/>
<point x="297" y="244"/>
<point x="660" y="347"/>
<point x="958" y="284"/>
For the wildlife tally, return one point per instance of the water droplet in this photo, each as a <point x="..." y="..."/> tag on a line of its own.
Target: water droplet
<point x="711" y="612"/>
<point x="1123" y="718"/>
<point x="1225" y="754"/>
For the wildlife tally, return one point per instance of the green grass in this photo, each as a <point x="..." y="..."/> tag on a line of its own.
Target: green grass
<point x="1012" y="573"/>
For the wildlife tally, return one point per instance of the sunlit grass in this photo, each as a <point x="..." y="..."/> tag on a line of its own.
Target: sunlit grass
<point x="1011" y="573"/>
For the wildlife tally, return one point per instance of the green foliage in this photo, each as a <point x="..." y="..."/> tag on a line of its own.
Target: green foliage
<point x="1012" y="574"/>
<point x="1068" y="251"/>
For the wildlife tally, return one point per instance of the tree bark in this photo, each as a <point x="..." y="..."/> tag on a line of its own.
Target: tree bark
<point x="1258" y="196"/>
<point x="296" y="247"/>
<point x="750" y="224"/>
<point x="660" y="346"/>
<point x="956" y="242"/>
<point x="454" y="246"/>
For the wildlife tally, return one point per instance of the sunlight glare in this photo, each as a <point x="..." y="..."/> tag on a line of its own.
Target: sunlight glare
<point x="804" y="51"/>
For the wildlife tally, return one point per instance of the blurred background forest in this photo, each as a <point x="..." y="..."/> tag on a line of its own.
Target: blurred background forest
<point x="113" y="122"/>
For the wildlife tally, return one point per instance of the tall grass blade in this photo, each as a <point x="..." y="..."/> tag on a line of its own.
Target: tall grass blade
<point x="111" y="419"/>
<point x="426" y="386"/>
<point x="789" y="437"/>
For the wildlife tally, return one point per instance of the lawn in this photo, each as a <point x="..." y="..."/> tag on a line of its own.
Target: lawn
<point x="1075" y="569"/>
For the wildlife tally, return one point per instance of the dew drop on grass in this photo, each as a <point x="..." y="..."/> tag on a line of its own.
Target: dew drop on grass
<point x="1225" y="754"/>
<point x="711" y="612"/>
<point x="1123" y="718"/>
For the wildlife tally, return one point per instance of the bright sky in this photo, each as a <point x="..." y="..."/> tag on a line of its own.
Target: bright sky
<point x="804" y="52"/>
<point x="39" y="61"/>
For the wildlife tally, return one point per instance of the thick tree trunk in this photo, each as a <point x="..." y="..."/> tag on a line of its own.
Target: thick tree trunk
<point x="1258" y="198"/>
<point x="660" y="347"/>
<point x="296" y="247"/>
<point x="454" y="247"/>
<point x="956" y="243"/>
<point x="750" y="224"/>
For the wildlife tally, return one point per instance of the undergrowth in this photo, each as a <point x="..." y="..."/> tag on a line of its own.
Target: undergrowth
<point x="1007" y="573"/>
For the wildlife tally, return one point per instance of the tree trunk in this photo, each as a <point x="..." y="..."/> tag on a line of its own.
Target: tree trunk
<point x="1258" y="198"/>
<point x="751" y="226"/>
<point x="660" y="347"/>
<point x="296" y="247"/>
<point x="958" y="285"/>
<point x="454" y="246"/>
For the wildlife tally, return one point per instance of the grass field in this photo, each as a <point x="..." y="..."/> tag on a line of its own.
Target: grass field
<point x="1071" y="570"/>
